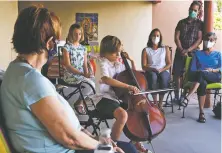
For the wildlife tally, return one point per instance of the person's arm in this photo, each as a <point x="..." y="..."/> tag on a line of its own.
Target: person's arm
<point x="67" y="64"/>
<point x="177" y="36"/>
<point x="168" y="60"/>
<point x="58" y="123"/>
<point x="85" y="66"/>
<point x="114" y="83"/>
<point x="145" y="65"/>
<point x="177" y="40"/>
<point x="219" y="69"/>
<point x="133" y="64"/>
<point x="106" y="79"/>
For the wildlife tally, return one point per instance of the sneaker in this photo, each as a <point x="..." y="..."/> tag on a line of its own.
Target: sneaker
<point x="140" y="147"/>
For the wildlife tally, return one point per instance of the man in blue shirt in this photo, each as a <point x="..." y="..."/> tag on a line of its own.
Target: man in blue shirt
<point x="205" y="68"/>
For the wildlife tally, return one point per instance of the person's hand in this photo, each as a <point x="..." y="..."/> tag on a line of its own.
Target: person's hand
<point x="209" y="69"/>
<point x="180" y="49"/>
<point x="160" y="70"/>
<point x="133" y="89"/>
<point x="87" y="75"/>
<point x="184" y="52"/>
<point x="127" y="56"/>
<point x="154" y="70"/>
<point x="116" y="148"/>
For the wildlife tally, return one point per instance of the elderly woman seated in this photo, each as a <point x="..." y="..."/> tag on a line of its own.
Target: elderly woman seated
<point x="205" y="68"/>
<point x="37" y="118"/>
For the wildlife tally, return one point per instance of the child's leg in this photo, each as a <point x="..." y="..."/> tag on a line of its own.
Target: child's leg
<point x="121" y="117"/>
<point x="111" y="108"/>
<point x="86" y="91"/>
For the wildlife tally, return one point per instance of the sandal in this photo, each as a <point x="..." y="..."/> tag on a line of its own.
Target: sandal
<point x="184" y="101"/>
<point x="80" y="109"/>
<point x="201" y="118"/>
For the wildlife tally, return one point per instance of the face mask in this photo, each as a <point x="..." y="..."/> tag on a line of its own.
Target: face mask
<point x="156" y="40"/>
<point x="193" y="14"/>
<point x="208" y="44"/>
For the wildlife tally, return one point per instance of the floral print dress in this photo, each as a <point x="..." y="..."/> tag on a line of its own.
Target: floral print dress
<point x="76" y="54"/>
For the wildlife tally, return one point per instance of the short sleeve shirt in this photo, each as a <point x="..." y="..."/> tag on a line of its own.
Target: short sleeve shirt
<point x="76" y="54"/>
<point x="189" y="31"/>
<point x="201" y="60"/>
<point x="109" y="69"/>
<point x="23" y="86"/>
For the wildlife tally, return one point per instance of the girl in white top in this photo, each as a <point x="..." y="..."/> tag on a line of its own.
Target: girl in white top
<point x="156" y="62"/>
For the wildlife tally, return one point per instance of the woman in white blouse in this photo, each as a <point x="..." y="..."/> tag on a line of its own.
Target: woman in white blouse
<point x="156" y="63"/>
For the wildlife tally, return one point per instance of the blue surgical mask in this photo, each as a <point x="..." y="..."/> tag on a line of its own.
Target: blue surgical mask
<point x="193" y="14"/>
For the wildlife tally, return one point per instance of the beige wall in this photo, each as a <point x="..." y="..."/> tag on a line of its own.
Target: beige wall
<point x="8" y="15"/>
<point x="130" y="21"/>
<point x="166" y="16"/>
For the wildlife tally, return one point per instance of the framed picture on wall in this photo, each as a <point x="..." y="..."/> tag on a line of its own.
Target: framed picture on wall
<point x="89" y="23"/>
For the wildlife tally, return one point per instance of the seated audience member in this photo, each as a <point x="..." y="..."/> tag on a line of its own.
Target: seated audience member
<point x="37" y="118"/>
<point x="156" y="62"/>
<point x="110" y="65"/>
<point x="205" y="69"/>
<point x="75" y="62"/>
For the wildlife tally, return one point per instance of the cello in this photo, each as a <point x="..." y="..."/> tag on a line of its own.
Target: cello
<point x="145" y="119"/>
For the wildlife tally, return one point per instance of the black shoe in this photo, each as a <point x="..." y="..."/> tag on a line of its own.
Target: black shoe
<point x="201" y="118"/>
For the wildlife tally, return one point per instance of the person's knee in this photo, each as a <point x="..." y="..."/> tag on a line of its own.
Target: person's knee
<point x="121" y="115"/>
<point x="154" y="77"/>
<point x="201" y="76"/>
<point x="164" y="79"/>
<point x="165" y="83"/>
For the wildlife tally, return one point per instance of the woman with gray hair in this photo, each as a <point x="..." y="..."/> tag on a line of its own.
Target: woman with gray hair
<point x="205" y="68"/>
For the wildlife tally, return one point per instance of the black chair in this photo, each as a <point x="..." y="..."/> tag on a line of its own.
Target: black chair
<point x="94" y="117"/>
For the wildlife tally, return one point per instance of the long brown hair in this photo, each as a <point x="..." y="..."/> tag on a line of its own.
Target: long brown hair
<point x="70" y="37"/>
<point x="150" y="43"/>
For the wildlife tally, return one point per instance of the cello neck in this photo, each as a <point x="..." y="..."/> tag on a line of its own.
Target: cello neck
<point x="134" y="80"/>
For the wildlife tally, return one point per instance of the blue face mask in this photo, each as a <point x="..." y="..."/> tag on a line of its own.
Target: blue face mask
<point x="193" y="14"/>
